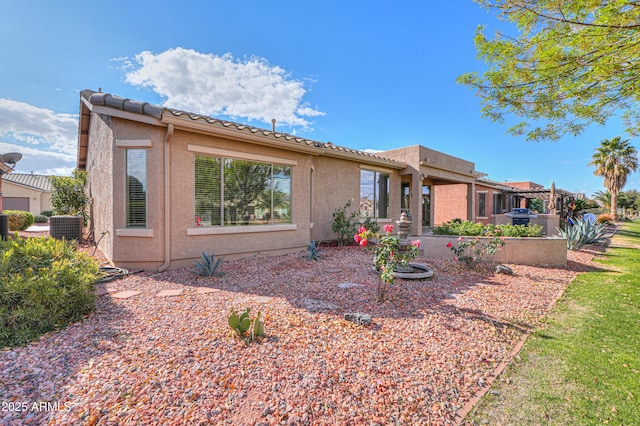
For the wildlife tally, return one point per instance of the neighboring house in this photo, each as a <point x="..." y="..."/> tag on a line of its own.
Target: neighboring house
<point x="166" y="185"/>
<point x="28" y="192"/>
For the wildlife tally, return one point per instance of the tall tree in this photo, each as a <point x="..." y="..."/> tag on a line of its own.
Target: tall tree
<point x="614" y="159"/>
<point x="573" y="63"/>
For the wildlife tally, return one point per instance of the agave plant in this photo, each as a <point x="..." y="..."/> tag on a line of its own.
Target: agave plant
<point x="583" y="232"/>
<point x="313" y="251"/>
<point x="209" y="265"/>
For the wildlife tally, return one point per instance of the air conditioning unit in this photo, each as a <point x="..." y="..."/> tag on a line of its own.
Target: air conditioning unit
<point x="66" y="227"/>
<point x="4" y="226"/>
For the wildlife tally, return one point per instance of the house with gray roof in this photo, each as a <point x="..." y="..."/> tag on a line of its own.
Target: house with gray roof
<point x="26" y="191"/>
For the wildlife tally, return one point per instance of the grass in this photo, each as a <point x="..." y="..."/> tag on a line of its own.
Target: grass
<point x="583" y="367"/>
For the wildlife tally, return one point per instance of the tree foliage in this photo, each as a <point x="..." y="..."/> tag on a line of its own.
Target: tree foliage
<point x="614" y="160"/>
<point x="69" y="194"/>
<point x="573" y="63"/>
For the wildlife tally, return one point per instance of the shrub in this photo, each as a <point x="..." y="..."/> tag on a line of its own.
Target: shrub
<point x="69" y="195"/>
<point x="459" y="227"/>
<point x="472" y="251"/>
<point x="606" y="219"/>
<point x="47" y="213"/>
<point x="371" y="224"/>
<point x="45" y="284"/>
<point x="40" y="219"/>
<point x="470" y="229"/>
<point x="509" y="230"/>
<point x="583" y="232"/>
<point x="344" y="224"/>
<point x="19" y="220"/>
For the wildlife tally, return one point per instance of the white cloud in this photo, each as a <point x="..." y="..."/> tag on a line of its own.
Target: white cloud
<point x="25" y="125"/>
<point x="40" y="161"/>
<point x="221" y="85"/>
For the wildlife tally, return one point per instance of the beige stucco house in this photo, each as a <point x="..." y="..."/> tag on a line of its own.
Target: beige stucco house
<point x="26" y="191"/>
<point x="166" y="185"/>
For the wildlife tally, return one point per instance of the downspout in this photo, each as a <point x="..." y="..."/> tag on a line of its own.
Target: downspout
<point x="167" y="200"/>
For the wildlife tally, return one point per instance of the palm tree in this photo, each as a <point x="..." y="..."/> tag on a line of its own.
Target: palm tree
<point x="604" y="197"/>
<point x="614" y="160"/>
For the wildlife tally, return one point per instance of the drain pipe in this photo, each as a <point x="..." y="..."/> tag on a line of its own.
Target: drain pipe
<point x="167" y="200"/>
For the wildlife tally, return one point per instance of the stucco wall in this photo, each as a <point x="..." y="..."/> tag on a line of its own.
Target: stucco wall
<point x="450" y="202"/>
<point x="551" y="251"/>
<point x="243" y="240"/>
<point x="100" y="181"/>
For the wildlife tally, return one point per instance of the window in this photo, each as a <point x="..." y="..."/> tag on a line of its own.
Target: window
<point x="231" y="192"/>
<point x="497" y="203"/>
<point x="374" y="194"/>
<point x="136" y="190"/>
<point x="482" y="204"/>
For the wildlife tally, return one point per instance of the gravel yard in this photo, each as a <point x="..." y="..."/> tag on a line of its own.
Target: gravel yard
<point x="154" y="359"/>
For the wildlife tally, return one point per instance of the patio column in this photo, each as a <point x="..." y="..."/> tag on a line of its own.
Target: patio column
<point x="471" y="201"/>
<point x="415" y="205"/>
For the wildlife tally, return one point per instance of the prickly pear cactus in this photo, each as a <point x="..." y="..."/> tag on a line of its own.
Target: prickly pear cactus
<point x="258" y="326"/>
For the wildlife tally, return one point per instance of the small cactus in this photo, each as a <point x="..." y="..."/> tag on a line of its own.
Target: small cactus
<point x="242" y="323"/>
<point x="239" y="323"/>
<point x="258" y="326"/>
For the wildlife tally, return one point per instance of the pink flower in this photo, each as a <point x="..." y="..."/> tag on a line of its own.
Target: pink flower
<point x="363" y="242"/>
<point x="357" y="238"/>
<point x="416" y="243"/>
<point x="460" y="238"/>
<point x="388" y="229"/>
<point x="450" y="244"/>
<point x="362" y="230"/>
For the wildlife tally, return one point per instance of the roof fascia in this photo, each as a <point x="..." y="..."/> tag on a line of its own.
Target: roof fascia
<point x="189" y="124"/>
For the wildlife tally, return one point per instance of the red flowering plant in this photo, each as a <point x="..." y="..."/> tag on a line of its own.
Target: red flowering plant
<point x="388" y="254"/>
<point x="472" y="251"/>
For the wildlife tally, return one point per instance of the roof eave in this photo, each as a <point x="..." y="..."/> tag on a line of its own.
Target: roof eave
<point x="275" y="140"/>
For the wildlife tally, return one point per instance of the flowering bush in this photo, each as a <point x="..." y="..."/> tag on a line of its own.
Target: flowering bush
<point x="472" y="251"/>
<point x="388" y="254"/>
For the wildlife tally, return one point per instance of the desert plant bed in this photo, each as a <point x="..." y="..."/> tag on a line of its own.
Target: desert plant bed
<point x="149" y="359"/>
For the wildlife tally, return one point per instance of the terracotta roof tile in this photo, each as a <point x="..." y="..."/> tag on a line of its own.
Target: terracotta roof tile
<point x="155" y="111"/>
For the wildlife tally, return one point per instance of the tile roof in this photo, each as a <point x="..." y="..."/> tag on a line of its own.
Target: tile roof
<point x="39" y="182"/>
<point x="155" y="111"/>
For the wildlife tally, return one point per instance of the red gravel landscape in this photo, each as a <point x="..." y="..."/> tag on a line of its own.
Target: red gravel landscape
<point x="150" y="359"/>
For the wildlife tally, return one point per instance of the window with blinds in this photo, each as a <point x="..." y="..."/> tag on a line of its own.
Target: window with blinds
<point x="136" y="188"/>
<point x="374" y="194"/>
<point x="230" y="192"/>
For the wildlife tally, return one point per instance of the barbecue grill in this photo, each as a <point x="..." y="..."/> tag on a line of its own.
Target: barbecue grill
<point x="521" y="216"/>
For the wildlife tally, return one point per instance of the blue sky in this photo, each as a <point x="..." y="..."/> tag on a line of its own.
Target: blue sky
<point x="365" y="75"/>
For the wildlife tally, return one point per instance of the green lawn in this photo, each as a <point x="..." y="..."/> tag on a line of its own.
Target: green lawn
<point x="583" y="368"/>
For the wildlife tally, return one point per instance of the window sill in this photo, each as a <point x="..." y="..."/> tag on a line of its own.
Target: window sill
<point x="135" y="232"/>
<point x="222" y="230"/>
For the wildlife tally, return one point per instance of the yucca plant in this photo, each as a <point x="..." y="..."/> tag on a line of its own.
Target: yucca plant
<point x="209" y="265"/>
<point x="583" y="232"/>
